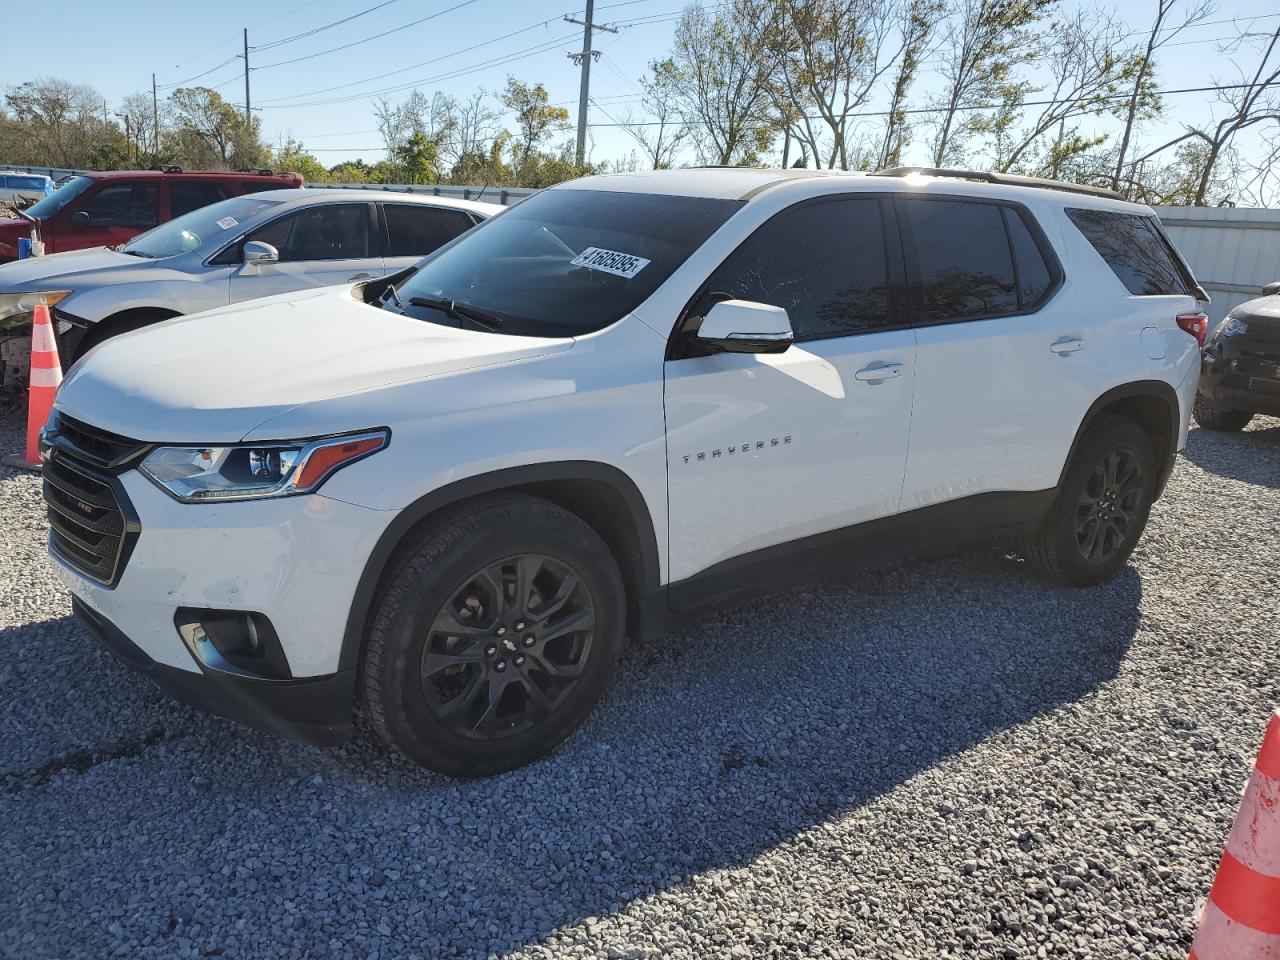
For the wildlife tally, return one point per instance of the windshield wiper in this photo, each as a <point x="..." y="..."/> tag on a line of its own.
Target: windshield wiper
<point x="395" y="295"/>
<point x="133" y="253"/>
<point x="459" y="311"/>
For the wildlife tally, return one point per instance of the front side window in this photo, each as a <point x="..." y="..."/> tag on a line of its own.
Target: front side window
<point x="328" y="232"/>
<point x="564" y="262"/>
<point x="964" y="263"/>
<point x="51" y="204"/>
<point x="415" y="231"/>
<point x="825" y="263"/>
<point x="1134" y="249"/>
<point x="122" y="205"/>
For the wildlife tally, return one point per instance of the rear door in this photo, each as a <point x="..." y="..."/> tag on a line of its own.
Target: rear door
<point x="1006" y="363"/>
<point x="108" y="214"/>
<point x="319" y="246"/>
<point x="414" y="230"/>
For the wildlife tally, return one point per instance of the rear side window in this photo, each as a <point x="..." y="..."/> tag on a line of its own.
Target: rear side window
<point x="187" y="195"/>
<point x="825" y="263"/>
<point x="963" y="258"/>
<point x="1134" y="249"/>
<point x="415" y="231"/>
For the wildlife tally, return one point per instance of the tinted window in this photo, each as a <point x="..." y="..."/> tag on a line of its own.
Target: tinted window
<point x="415" y="231"/>
<point x="966" y="268"/>
<point x="60" y="197"/>
<point x="566" y="262"/>
<point x="1134" y="249"/>
<point x="185" y="196"/>
<point x="122" y="205"/>
<point x="1034" y="275"/>
<point x="825" y="263"/>
<point x="329" y="232"/>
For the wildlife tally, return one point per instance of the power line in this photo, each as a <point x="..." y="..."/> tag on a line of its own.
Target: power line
<point x="218" y="66"/>
<point x="985" y="106"/>
<point x="376" y="36"/>
<point x="328" y="26"/>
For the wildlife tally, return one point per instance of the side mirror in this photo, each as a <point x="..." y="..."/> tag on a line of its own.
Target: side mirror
<point x="743" y="326"/>
<point x="80" y="218"/>
<point x="1271" y="289"/>
<point x="257" y="252"/>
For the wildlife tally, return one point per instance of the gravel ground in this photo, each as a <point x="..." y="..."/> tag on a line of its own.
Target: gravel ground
<point x="948" y="759"/>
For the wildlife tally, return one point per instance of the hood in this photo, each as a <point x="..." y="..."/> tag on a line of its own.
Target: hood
<point x="212" y="377"/>
<point x="11" y="231"/>
<point x="63" y="270"/>
<point x="1262" y="312"/>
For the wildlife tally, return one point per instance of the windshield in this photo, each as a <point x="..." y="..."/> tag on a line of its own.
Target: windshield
<point x="194" y="229"/>
<point x="46" y="207"/>
<point x="563" y="262"/>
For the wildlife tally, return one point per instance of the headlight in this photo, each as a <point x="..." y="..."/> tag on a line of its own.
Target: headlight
<point x="1233" y="328"/>
<point x="256" y="470"/>
<point x="15" y="308"/>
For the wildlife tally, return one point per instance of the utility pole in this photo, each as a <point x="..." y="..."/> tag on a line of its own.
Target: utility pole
<point x="583" y="60"/>
<point x="247" y="122"/>
<point x="155" y="119"/>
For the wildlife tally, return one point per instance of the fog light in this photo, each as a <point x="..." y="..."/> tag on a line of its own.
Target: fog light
<point x="233" y="641"/>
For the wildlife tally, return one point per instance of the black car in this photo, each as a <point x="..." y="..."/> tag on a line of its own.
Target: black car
<point x="1240" y="366"/>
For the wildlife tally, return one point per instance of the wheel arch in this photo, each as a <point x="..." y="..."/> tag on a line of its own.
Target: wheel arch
<point x="97" y="331"/>
<point x="602" y="495"/>
<point x="1153" y="406"/>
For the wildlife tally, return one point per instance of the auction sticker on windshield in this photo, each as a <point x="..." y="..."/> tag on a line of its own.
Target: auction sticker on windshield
<point x="610" y="261"/>
<point x="226" y="223"/>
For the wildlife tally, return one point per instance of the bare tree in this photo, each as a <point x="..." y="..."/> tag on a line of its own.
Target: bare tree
<point x="662" y="134"/>
<point x="1163" y="29"/>
<point x="828" y="56"/>
<point x="986" y="41"/>
<point x="427" y="123"/>
<point x="918" y="21"/>
<point x="63" y="122"/>
<point x="1086" y="62"/>
<point x="721" y="80"/>
<point x="478" y="123"/>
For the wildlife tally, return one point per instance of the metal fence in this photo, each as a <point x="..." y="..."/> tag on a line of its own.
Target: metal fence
<point x="1233" y="251"/>
<point x="507" y="196"/>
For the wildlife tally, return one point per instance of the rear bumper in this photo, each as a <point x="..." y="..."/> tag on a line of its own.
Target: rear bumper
<point x="314" y="710"/>
<point x="1233" y="379"/>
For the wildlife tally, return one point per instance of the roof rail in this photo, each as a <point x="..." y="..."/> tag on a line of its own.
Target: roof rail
<point x="1007" y="179"/>
<point x="257" y="171"/>
<point x="167" y="168"/>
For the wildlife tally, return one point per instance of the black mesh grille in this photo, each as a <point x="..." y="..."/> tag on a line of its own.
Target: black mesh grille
<point x="89" y="525"/>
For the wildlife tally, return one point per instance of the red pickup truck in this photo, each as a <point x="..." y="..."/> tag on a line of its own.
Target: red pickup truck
<point x="104" y="209"/>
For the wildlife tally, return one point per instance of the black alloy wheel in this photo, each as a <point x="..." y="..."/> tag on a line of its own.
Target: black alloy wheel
<point x="508" y="647"/>
<point x="1109" y="506"/>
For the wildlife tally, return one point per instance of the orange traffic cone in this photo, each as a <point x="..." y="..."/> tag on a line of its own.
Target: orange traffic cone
<point x="1241" y="921"/>
<point x="46" y="374"/>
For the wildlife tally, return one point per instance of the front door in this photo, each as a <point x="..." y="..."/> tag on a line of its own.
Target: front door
<point x="108" y="215"/>
<point x="767" y="450"/>
<point x="319" y="246"/>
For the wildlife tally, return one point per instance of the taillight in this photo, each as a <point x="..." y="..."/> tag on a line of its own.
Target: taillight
<point x="1196" y="324"/>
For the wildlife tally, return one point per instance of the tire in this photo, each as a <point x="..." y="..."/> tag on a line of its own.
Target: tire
<point x="429" y="692"/>
<point x="1063" y="549"/>
<point x="1215" y="418"/>
<point x="106" y="329"/>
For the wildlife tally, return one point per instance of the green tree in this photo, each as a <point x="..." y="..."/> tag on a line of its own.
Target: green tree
<point x="211" y="132"/>
<point x="292" y="157"/>
<point x="537" y="121"/>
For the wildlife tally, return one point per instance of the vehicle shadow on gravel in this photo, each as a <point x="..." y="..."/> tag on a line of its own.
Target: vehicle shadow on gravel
<point x="714" y="745"/>
<point x="1251" y="456"/>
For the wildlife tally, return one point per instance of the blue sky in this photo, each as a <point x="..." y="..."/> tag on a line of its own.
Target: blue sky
<point x="117" y="51"/>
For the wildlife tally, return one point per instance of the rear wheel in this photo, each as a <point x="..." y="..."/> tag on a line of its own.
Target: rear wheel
<point x="1101" y="508"/>
<point x="1215" y="418"/>
<point x="495" y="638"/>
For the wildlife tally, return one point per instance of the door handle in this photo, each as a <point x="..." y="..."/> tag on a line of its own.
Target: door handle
<point x="1066" y="345"/>
<point x="360" y="276"/>
<point x="875" y="373"/>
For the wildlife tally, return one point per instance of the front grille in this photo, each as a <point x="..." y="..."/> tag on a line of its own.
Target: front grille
<point x="99" y="447"/>
<point x="92" y="525"/>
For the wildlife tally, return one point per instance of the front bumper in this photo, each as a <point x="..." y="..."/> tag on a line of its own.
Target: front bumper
<point x="313" y="710"/>
<point x="1236" y="375"/>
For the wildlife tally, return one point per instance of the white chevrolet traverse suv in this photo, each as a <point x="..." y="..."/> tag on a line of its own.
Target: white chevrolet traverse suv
<point x="453" y="492"/>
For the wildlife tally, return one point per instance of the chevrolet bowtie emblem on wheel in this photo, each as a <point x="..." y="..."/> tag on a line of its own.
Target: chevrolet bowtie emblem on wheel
<point x="751" y="446"/>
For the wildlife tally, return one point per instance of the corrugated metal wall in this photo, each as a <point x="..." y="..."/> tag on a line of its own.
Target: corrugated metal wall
<point x="1233" y="251"/>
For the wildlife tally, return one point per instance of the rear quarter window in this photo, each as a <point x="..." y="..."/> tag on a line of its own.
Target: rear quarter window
<point x="1134" y="249"/>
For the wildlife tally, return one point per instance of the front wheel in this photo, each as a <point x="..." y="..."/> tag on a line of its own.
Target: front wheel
<point x="495" y="638"/>
<point x="1100" y="510"/>
<point x="1215" y="418"/>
